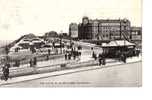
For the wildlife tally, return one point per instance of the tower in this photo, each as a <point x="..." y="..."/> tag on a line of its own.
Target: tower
<point x="85" y="20"/>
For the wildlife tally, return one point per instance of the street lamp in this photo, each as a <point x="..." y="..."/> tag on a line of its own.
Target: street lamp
<point x="60" y="36"/>
<point x="70" y="37"/>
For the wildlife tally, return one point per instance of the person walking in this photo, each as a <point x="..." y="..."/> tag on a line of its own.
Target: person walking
<point x="31" y="63"/>
<point x="95" y="56"/>
<point x="49" y="52"/>
<point x="92" y="52"/>
<point x="66" y="56"/>
<point x="35" y="61"/>
<point x="74" y="55"/>
<point x="100" y="59"/>
<point x="3" y="75"/>
<point x="17" y="63"/>
<point x="47" y="57"/>
<point x="5" y="71"/>
<point x="69" y="56"/>
<point x="123" y="58"/>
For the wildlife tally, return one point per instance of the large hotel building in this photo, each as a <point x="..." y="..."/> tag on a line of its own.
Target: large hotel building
<point x="104" y="29"/>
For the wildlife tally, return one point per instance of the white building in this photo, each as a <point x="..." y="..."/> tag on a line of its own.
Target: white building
<point x="73" y="30"/>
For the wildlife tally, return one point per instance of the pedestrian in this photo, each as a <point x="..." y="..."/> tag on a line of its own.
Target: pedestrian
<point x="95" y="56"/>
<point x="138" y="53"/>
<point x="47" y="57"/>
<point x="5" y="71"/>
<point x="104" y="61"/>
<point x="65" y="56"/>
<point x="79" y="55"/>
<point x="31" y="63"/>
<point x="32" y="49"/>
<point x="17" y="63"/>
<point x="100" y="59"/>
<point x="3" y="75"/>
<point x="35" y="61"/>
<point x="57" y="51"/>
<point x="69" y="56"/>
<point x="123" y="58"/>
<point x="49" y="51"/>
<point x="74" y="55"/>
<point x="8" y="65"/>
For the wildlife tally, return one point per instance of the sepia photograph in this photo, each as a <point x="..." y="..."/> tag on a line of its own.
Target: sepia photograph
<point x="70" y="43"/>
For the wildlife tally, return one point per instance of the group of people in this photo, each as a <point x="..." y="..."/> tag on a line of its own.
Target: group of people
<point x="75" y="53"/>
<point x="33" y="62"/>
<point x="123" y="57"/>
<point x="5" y="70"/>
<point x="101" y="58"/>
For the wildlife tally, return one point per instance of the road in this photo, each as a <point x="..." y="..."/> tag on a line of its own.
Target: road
<point x="119" y="75"/>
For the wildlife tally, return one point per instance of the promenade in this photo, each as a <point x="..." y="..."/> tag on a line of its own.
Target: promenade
<point x="45" y="69"/>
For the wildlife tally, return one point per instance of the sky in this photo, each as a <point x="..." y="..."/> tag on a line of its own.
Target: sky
<point x="19" y="17"/>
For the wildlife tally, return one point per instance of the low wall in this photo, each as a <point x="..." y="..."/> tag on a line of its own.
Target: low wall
<point x="46" y="69"/>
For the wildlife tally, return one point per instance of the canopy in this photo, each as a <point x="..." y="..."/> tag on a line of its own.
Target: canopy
<point x="117" y="43"/>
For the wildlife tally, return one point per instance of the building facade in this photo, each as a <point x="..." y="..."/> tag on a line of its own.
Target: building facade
<point x="136" y="33"/>
<point x="85" y="29"/>
<point x="104" y="29"/>
<point x="73" y="30"/>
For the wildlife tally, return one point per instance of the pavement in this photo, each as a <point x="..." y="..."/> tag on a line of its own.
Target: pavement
<point x="45" y="66"/>
<point x="82" y="65"/>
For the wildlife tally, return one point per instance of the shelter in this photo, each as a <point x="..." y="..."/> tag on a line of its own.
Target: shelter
<point x="118" y="43"/>
<point x="117" y="48"/>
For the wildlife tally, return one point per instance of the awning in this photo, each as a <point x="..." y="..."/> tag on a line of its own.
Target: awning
<point x="118" y="43"/>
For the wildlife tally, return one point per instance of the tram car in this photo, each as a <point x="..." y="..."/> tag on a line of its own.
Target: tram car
<point x="119" y="49"/>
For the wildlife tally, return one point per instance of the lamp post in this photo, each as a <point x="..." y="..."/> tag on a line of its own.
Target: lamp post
<point x="110" y="35"/>
<point x="120" y="30"/>
<point x="70" y="37"/>
<point x="60" y="36"/>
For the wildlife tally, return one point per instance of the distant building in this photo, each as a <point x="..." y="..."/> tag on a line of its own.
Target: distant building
<point x="25" y="42"/>
<point x="50" y="36"/>
<point x="73" y="30"/>
<point x="136" y="33"/>
<point x="104" y="29"/>
<point x="85" y="29"/>
<point x="29" y="36"/>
